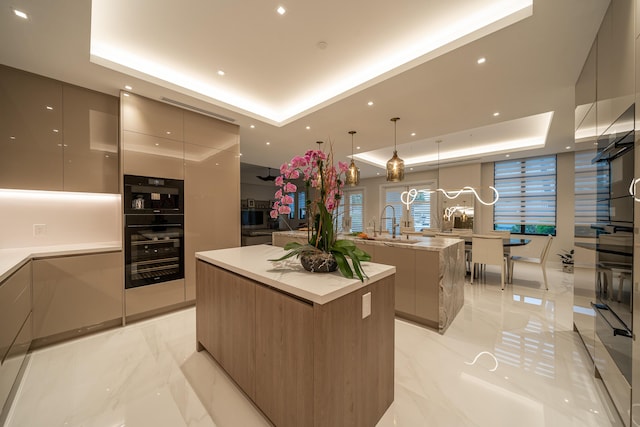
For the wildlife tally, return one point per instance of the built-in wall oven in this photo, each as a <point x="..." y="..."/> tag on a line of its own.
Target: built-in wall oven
<point x="154" y="230"/>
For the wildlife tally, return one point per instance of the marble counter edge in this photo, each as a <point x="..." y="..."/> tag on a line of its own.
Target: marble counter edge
<point x="426" y="243"/>
<point x="319" y="288"/>
<point x="12" y="259"/>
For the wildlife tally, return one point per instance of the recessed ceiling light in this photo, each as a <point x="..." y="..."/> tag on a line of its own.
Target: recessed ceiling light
<point x="125" y="94"/>
<point x="241" y="154"/>
<point x="20" y="14"/>
<point x="157" y="144"/>
<point x="568" y="147"/>
<point x="482" y="60"/>
<point x="268" y="143"/>
<point x="378" y="173"/>
<point x="49" y="107"/>
<point x="410" y="169"/>
<point x="508" y="155"/>
<point x="217" y="164"/>
<point x="168" y="132"/>
<point x="496" y="114"/>
<point x="252" y="126"/>
<point x="308" y="127"/>
<point x="413" y="134"/>
<point x="12" y="137"/>
<point x="220" y="72"/>
<point x="127" y="87"/>
<point x="281" y="10"/>
<point x="106" y="155"/>
<point x="358" y="147"/>
<point x="56" y="130"/>
<point x="370" y="103"/>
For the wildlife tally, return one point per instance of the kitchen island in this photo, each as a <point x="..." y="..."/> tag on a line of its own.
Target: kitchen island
<point x="309" y="349"/>
<point x="430" y="273"/>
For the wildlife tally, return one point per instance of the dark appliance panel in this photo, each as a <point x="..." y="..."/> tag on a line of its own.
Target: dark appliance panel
<point x="147" y="195"/>
<point x="154" y="249"/>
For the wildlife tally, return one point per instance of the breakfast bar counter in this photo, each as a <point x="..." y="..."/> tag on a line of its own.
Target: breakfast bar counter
<point x="309" y="349"/>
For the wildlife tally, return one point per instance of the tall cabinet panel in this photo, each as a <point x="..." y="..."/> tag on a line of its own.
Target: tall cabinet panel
<point x="30" y="131"/>
<point x="635" y="377"/>
<point x="212" y="204"/>
<point x="90" y="125"/>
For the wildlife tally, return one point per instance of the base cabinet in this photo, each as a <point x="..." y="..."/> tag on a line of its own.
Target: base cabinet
<point x="15" y="331"/>
<point x="76" y="294"/>
<point x="302" y="363"/>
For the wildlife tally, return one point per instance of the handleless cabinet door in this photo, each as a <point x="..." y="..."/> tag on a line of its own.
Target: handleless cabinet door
<point x="149" y="117"/>
<point x="212" y="204"/>
<point x="76" y="292"/>
<point x="405" y="262"/>
<point x="149" y="155"/>
<point x="30" y="131"/>
<point x="209" y="132"/>
<point x="90" y="141"/>
<point x="15" y="306"/>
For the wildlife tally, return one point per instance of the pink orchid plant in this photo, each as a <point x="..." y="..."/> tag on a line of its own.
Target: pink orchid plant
<point x="323" y="183"/>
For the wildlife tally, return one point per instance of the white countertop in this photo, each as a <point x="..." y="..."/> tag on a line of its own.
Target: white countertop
<point x="289" y="275"/>
<point x="12" y="259"/>
<point x="411" y="241"/>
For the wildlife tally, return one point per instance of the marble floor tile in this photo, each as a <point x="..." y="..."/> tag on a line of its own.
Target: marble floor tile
<point x="510" y="358"/>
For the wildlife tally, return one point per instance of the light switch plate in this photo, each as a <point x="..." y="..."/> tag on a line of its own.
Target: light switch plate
<point x="39" y="229"/>
<point x="366" y="305"/>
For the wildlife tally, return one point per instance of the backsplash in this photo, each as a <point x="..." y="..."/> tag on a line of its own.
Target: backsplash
<point x="62" y="218"/>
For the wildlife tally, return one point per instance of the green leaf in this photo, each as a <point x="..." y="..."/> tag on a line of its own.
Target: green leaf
<point x="343" y="265"/>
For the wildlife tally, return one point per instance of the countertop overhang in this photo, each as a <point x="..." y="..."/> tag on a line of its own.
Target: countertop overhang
<point x="289" y="276"/>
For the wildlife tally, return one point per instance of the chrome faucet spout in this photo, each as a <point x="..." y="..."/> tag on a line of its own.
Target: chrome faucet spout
<point x="393" y="219"/>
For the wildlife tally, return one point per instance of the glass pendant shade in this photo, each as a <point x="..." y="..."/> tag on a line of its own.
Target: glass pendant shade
<point x="353" y="173"/>
<point x="395" y="166"/>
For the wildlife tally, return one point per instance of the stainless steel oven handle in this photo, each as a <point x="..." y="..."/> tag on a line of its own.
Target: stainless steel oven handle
<point x="616" y="331"/>
<point x="153" y="225"/>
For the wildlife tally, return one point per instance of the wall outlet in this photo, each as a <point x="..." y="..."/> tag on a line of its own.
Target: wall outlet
<point x="39" y="229"/>
<point x="366" y="305"/>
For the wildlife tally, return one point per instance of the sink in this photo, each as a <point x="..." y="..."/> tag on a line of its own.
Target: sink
<point x="392" y="240"/>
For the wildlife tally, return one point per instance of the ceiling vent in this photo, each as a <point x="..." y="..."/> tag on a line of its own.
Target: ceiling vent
<point x="197" y="109"/>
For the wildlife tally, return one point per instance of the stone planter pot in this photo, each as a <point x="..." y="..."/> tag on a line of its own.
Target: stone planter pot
<point x="319" y="262"/>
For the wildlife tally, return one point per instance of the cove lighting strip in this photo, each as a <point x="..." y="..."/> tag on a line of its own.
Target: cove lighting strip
<point x="56" y="195"/>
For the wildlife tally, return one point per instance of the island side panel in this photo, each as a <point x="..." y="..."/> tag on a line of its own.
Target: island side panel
<point x="404" y="259"/>
<point x="225" y="322"/>
<point x="354" y="357"/>
<point x="427" y="296"/>
<point x="453" y="268"/>
<point x="284" y="358"/>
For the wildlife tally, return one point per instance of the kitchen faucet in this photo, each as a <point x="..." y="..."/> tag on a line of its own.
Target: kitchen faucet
<point x="372" y="221"/>
<point x="393" y="220"/>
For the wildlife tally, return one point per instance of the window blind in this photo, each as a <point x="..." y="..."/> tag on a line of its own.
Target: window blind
<point x="527" y="188"/>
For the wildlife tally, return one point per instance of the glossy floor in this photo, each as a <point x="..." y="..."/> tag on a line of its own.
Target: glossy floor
<point x="509" y="359"/>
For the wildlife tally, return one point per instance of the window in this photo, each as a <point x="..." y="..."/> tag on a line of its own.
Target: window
<point x="588" y="206"/>
<point x="527" y="190"/>
<point x="302" y="205"/>
<point x="351" y="211"/>
<point x="419" y="213"/>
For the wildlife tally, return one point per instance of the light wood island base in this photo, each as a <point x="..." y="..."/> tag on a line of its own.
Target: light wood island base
<point x="302" y="363"/>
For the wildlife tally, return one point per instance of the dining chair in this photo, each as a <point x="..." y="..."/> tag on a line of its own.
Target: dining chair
<point x="540" y="260"/>
<point x="487" y="249"/>
<point x="462" y="231"/>
<point x="506" y="234"/>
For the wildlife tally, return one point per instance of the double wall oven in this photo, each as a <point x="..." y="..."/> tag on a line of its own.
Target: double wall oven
<point x="154" y="230"/>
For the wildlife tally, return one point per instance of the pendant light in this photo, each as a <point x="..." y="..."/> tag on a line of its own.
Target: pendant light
<point x="395" y="166"/>
<point x="353" y="173"/>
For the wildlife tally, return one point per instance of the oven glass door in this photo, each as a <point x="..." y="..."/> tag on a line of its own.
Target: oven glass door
<point x="154" y="250"/>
